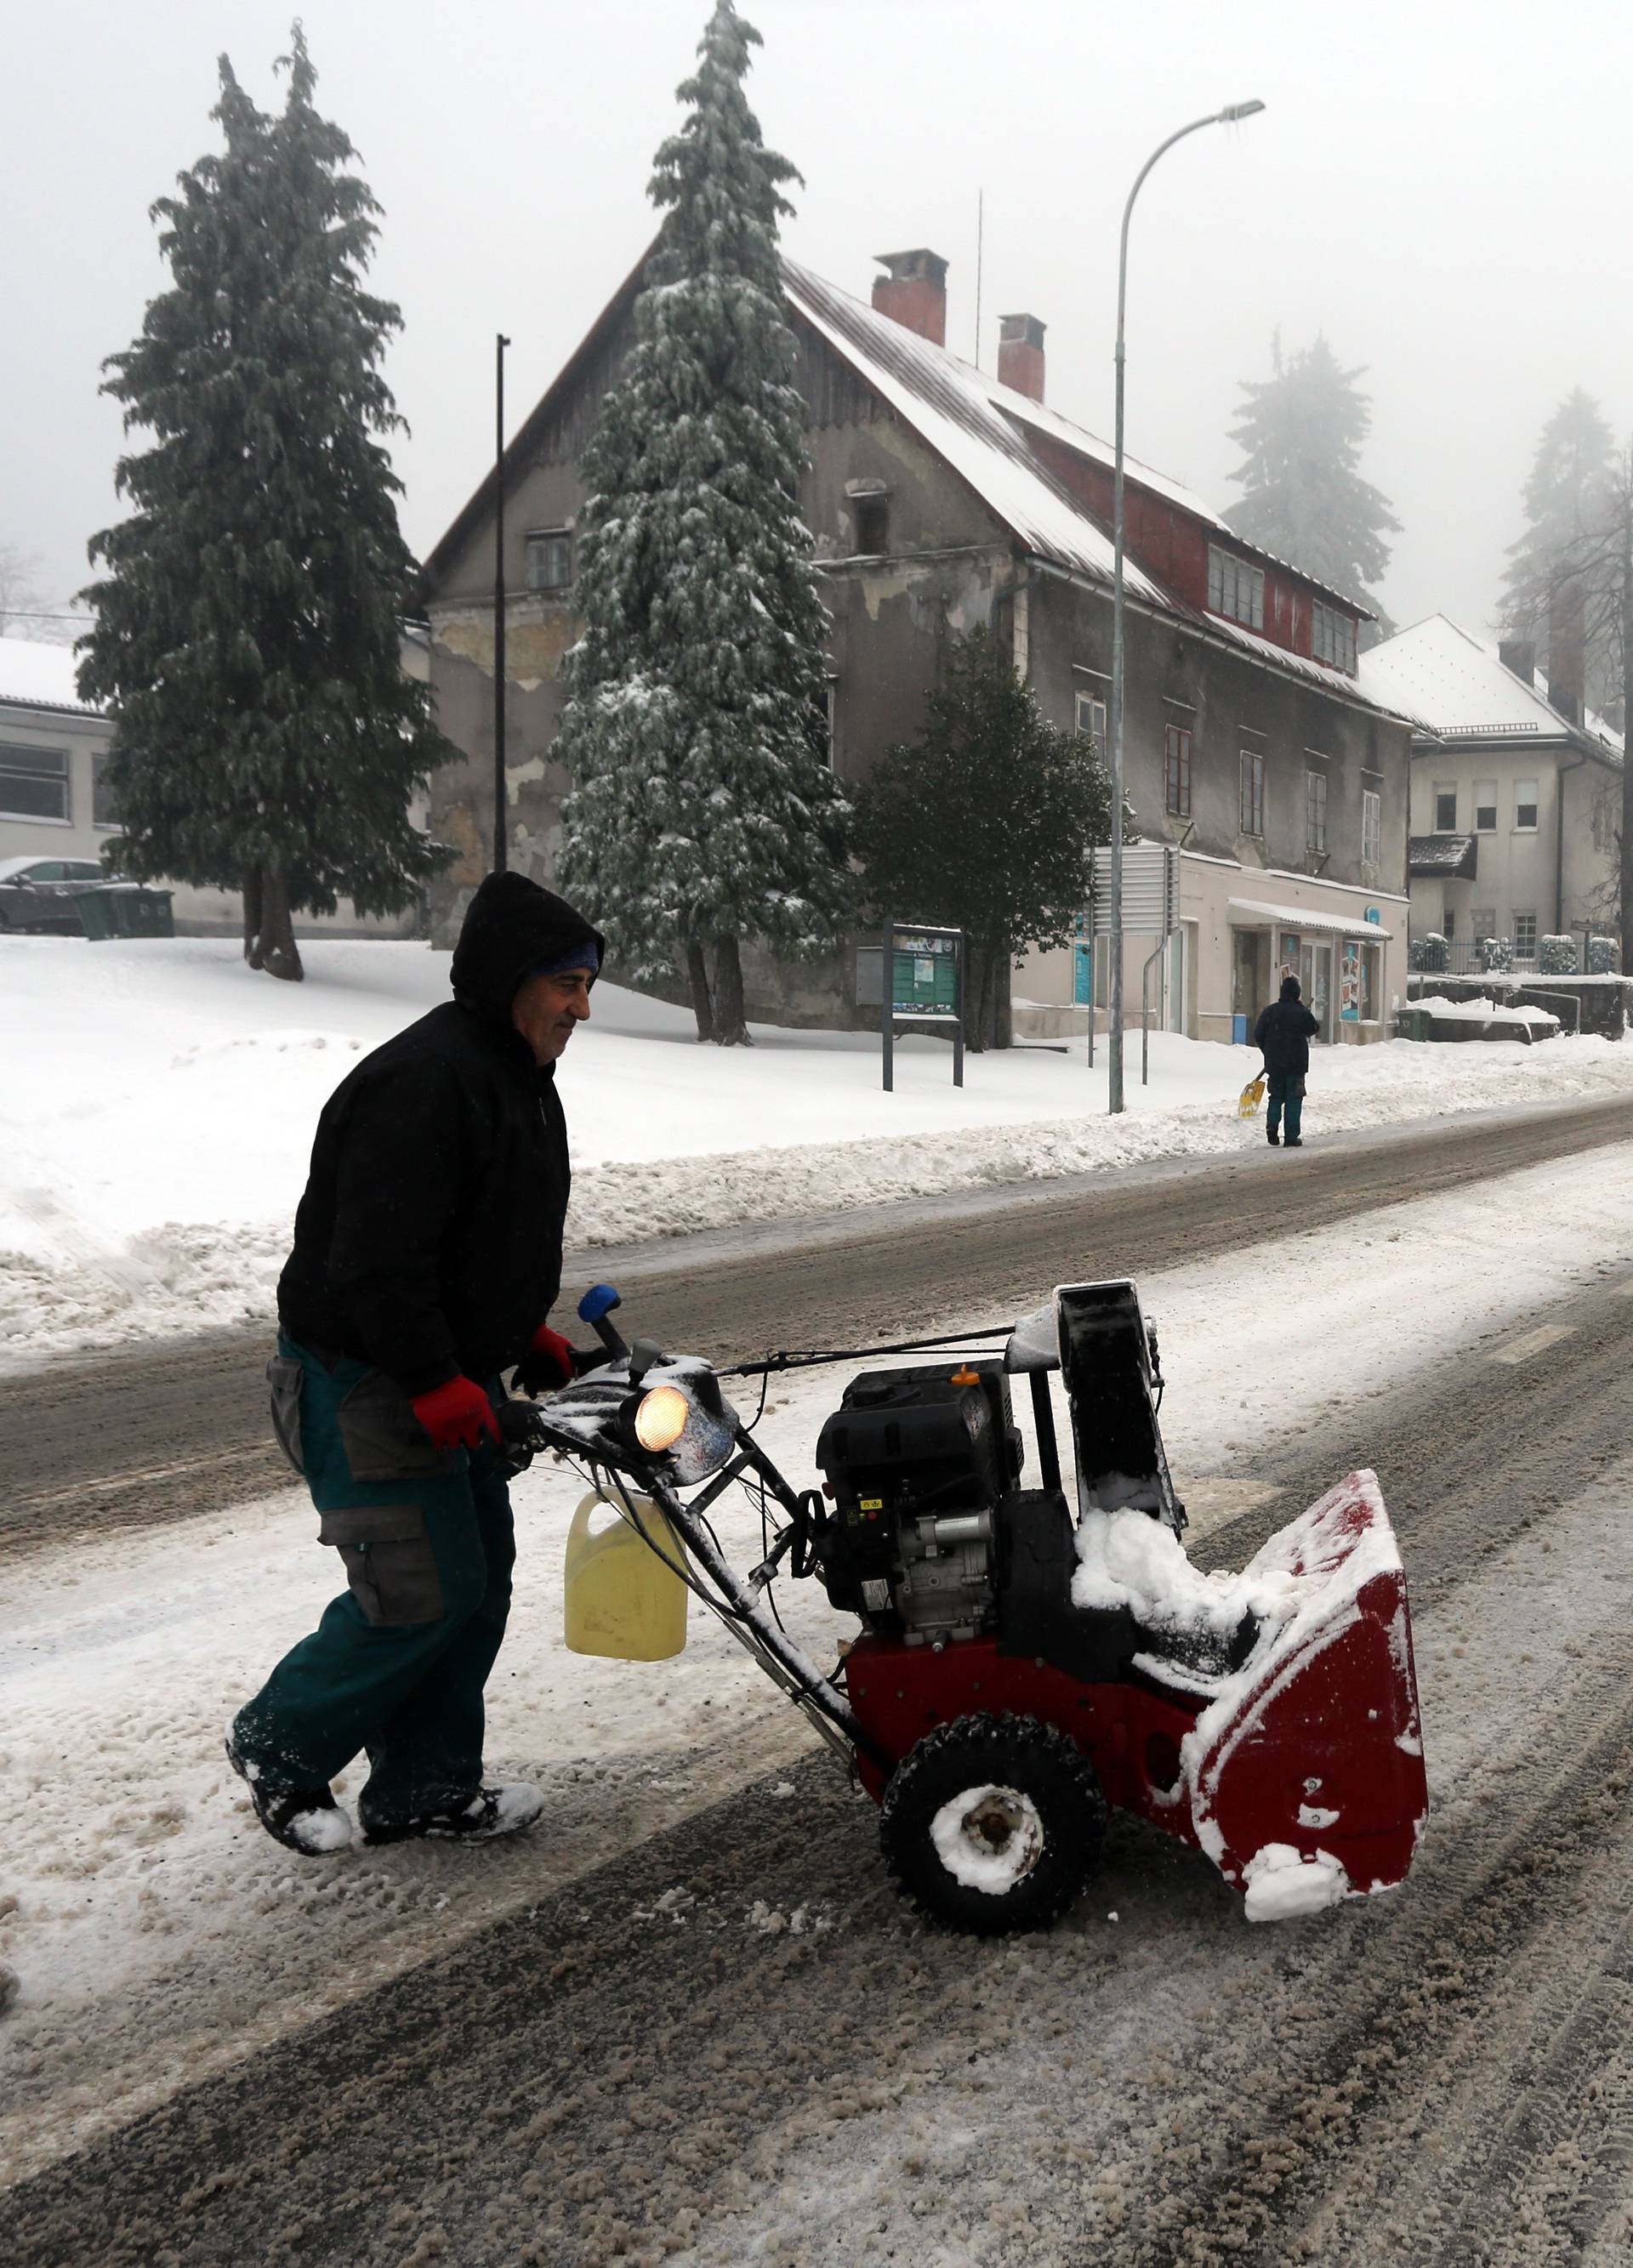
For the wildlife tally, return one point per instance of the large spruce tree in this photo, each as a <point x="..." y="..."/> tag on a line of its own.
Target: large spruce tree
<point x="1563" y="567"/>
<point x="1304" y="499"/>
<point x="704" y="810"/>
<point x="985" y="823"/>
<point x="248" y="633"/>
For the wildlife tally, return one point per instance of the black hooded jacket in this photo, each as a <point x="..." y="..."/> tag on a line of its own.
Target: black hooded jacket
<point x="429" y="1239"/>
<point x="1283" y="1033"/>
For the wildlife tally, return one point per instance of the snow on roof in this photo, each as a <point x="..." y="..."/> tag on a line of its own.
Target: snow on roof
<point x="981" y="429"/>
<point x="1458" y="683"/>
<point x="41" y="676"/>
<point x="950" y="403"/>
<point x="1453" y="855"/>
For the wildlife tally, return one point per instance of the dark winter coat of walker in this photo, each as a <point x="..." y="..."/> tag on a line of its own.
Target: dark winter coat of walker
<point x="1283" y="1036"/>
<point x="427" y="1255"/>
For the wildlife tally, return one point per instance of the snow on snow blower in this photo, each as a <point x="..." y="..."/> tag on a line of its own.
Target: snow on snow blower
<point x="1018" y="1669"/>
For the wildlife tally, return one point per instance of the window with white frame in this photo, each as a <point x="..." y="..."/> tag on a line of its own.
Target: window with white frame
<point x="34" y="783"/>
<point x="1525" y="935"/>
<point x="1526" y="805"/>
<point x="1482" y="924"/>
<point x="1091" y="720"/>
<point x="1332" y="637"/>
<point x="102" y="810"/>
<point x="550" y="559"/>
<point x="1445" y="807"/>
<point x="1485" y="806"/>
<point x="1315" y="810"/>
<point x="1236" y="589"/>
<point x="1253" y="790"/>
<point x="1371" y="826"/>
<point x="1177" y="772"/>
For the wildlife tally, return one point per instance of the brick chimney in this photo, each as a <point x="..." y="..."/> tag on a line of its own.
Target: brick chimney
<point x="915" y="293"/>
<point x="1520" y="656"/>
<point x="1567" y="652"/>
<point x="1021" y="354"/>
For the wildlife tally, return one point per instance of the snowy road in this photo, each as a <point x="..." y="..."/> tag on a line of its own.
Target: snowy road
<point x="166" y="1431"/>
<point x="695" y="2024"/>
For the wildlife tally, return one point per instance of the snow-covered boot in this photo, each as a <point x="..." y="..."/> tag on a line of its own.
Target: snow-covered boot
<point x="475" y="1817"/>
<point x="304" y="1819"/>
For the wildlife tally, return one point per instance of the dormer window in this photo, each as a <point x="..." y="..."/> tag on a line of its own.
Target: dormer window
<point x="550" y="559"/>
<point x="872" y="522"/>
<point x="1332" y="637"/>
<point x="1235" y="589"/>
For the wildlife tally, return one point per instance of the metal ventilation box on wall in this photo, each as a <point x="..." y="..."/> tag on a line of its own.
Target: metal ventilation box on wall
<point x="1150" y="889"/>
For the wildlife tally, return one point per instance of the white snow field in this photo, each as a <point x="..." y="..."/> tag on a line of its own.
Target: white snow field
<point x="157" y="1099"/>
<point x="155" y="1934"/>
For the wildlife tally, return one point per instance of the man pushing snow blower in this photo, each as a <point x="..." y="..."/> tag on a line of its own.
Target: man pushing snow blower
<point x="427" y="1257"/>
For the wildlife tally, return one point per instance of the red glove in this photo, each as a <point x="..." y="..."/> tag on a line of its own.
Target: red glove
<point x="456" y="1414"/>
<point x="549" y="1362"/>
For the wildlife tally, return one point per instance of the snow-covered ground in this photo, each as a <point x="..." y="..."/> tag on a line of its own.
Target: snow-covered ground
<point x="157" y="1103"/>
<point x="155" y="1934"/>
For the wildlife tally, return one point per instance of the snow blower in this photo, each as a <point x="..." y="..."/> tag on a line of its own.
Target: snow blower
<point x="1020" y="1668"/>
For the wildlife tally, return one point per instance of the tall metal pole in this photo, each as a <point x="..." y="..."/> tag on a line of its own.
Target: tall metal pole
<point x="498" y="603"/>
<point x="1114" y="1081"/>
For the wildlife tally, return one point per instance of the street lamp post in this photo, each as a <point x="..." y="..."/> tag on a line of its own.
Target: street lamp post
<point x="1114" y="1097"/>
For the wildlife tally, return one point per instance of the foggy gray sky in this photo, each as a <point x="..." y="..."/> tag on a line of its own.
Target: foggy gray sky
<point x="1442" y="187"/>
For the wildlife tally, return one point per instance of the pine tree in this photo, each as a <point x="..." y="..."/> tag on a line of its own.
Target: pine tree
<point x="1562" y="564"/>
<point x="248" y="627"/>
<point x="985" y="823"/>
<point x="1301" y="432"/>
<point x="704" y="809"/>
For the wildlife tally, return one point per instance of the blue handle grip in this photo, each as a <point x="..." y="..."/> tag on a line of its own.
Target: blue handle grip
<point x="595" y="1308"/>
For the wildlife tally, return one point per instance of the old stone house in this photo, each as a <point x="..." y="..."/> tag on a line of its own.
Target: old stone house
<point x="939" y="498"/>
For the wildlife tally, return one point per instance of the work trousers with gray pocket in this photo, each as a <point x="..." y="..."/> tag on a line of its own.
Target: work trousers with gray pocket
<point x="398" y="1663"/>
<point x="1287" y="1094"/>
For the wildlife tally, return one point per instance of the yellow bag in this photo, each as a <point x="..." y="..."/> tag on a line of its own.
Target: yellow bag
<point x="1252" y="1095"/>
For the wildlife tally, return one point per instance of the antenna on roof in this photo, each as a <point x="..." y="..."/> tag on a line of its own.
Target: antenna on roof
<point x="980" y="216"/>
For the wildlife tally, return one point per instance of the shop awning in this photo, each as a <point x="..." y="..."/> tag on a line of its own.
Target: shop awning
<point x="1254" y="914"/>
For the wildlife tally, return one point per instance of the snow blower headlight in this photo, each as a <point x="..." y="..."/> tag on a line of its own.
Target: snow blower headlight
<point x="661" y="1418"/>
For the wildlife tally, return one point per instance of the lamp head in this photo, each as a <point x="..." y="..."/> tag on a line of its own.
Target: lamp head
<point x="1235" y="110"/>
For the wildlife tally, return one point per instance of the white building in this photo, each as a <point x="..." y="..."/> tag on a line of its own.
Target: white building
<point x="54" y="803"/>
<point x="1515" y="808"/>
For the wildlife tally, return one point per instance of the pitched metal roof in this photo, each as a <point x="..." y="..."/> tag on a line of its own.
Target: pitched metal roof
<point x="1462" y="688"/>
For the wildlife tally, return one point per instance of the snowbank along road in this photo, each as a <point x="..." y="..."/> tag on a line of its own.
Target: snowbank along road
<point x="723" y="2039"/>
<point x="134" y="1437"/>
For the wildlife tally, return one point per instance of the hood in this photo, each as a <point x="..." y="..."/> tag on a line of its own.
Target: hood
<point x="510" y="927"/>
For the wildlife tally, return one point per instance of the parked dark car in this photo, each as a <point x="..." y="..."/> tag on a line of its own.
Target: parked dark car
<point x="37" y="894"/>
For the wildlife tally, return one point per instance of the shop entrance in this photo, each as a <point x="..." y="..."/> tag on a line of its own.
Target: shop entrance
<point x="1249" y="973"/>
<point x="1315" y="980"/>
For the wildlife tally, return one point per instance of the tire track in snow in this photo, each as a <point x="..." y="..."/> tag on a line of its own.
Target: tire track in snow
<point x="637" y="2083"/>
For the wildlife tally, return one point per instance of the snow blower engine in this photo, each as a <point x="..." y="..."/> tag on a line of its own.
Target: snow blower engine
<point x="1019" y="1668"/>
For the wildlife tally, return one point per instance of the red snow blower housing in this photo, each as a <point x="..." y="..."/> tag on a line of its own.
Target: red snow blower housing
<point x="1020" y="1668"/>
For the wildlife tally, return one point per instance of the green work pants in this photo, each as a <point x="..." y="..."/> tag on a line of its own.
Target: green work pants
<point x="398" y="1663"/>
<point x="1287" y="1094"/>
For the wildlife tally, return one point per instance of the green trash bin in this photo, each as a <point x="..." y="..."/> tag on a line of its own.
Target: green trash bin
<point x="126" y="910"/>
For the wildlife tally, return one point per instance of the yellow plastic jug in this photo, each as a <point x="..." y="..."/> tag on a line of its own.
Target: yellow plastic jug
<point x="618" y="1595"/>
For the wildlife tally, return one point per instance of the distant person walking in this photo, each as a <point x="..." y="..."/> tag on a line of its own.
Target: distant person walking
<point x="1283" y="1036"/>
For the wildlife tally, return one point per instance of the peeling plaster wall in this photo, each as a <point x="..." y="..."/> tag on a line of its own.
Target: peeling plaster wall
<point x="950" y="569"/>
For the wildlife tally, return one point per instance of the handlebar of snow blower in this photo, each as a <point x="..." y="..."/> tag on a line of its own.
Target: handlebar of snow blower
<point x="594" y="1310"/>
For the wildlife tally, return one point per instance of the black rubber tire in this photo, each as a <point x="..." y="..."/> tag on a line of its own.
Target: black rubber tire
<point x="1034" y="1760"/>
